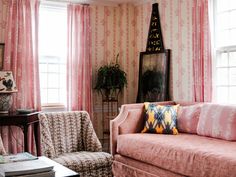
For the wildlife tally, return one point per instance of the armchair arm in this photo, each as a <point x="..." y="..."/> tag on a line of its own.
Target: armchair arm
<point x="129" y="120"/>
<point x="47" y="148"/>
<point x="90" y="139"/>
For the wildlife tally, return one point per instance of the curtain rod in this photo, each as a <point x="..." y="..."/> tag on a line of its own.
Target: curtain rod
<point x="83" y="2"/>
<point x="64" y="2"/>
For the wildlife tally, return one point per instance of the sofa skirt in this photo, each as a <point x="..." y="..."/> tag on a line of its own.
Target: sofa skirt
<point x="127" y="167"/>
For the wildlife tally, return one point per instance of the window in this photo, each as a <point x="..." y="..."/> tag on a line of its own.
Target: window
<point x="225" y="51"/>
<point x="52" y="54"/>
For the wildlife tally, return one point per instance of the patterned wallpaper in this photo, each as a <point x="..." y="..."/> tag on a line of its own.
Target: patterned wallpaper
<point x="124" y="30"/>
<point x="176" y="23"/>
<point x="113" y="33"/>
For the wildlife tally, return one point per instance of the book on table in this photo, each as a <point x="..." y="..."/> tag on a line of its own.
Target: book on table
<point x="43" y="174"/>
<point x="24" y="156"/>
<point x="30" y="168"/>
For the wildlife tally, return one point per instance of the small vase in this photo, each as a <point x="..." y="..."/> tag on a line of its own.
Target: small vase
<point x="5" y="102"/>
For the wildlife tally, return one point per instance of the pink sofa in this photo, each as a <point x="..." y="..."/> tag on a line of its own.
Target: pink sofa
<point x="186" y="154"/>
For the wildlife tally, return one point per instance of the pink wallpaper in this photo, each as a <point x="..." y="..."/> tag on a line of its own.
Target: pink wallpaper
<point x="3" y="19"/>
<point x="176" y="22"/>
<point x="112" y="33"/>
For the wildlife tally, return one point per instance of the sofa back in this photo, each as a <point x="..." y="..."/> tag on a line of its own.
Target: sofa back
<point x="207" y="119"/>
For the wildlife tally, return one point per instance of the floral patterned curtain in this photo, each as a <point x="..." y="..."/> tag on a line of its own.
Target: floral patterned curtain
<point x="21" y="57"/>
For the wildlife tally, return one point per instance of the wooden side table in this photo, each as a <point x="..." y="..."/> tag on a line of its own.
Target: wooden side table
<point x="23" y="121"/>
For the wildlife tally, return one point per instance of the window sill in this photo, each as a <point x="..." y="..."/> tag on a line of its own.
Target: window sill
<point x="53" y="108"/>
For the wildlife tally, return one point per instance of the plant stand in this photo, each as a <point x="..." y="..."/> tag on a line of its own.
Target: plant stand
<point x="109" y="112"/>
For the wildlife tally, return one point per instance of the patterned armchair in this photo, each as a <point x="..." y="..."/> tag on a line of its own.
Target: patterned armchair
<point x="69" y="139"/>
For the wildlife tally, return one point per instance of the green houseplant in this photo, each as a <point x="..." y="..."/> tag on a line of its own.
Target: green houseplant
<point x="110" y="78"/>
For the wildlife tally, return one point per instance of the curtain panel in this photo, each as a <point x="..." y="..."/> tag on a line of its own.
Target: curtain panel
<point x="79" y="69"/>
<point x="202" y="57"/>
<point x="21" y="57"/>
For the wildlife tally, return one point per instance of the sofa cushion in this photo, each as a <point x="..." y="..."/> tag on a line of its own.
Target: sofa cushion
<point x="186" y="154"/>
<point x="85" y="161"/>
<point x="218" y="121"/>
<point x="160" y="119"/>
<point x="187" y="119"/>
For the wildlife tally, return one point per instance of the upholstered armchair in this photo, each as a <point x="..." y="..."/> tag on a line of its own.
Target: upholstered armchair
<point x="69" y="139"/>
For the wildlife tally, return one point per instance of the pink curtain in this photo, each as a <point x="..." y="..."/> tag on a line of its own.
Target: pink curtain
<point x="79" y="70"/>
<point x="202" y="58"/>
<point x="21" y="57"/>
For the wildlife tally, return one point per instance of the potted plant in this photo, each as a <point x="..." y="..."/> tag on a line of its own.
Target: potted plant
<point x="111" y="78"/>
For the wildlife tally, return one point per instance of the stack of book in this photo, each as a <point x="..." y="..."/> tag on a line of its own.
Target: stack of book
<point x="24" y="165"/>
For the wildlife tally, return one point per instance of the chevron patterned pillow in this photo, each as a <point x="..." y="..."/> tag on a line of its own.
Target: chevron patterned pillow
<point x="160" y="119"/>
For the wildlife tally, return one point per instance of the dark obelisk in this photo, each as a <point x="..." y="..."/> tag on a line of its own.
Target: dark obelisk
<point x="155" y="42"/>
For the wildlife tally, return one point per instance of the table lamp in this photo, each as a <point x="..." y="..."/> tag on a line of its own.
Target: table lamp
<point x="7" y="87"/>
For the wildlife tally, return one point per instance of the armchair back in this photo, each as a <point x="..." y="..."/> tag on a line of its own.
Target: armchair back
<point x="66" y="132"/>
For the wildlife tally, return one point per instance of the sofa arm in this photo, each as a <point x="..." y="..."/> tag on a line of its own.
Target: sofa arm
<point x="129" y="120"/>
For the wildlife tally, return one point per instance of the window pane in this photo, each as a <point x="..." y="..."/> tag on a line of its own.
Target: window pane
<point x="232" y="76"/>
<point x="62" y="81"/>
<point x="62" y="95"/>
<point x="53" y="68"/>
<point x="43" y="80"/>
<point x="232" y="95"/>
<point x="221" y="22"/>
<point x="42" y="67"/>
<point x="232" y="58"/>
<point x="63" y="69"/>
<point x="232" y="17"/>
<point x="222" y="5"/>
<point x="222" y="59"/>
<point x="222" y="94"/>
<point x="232" y="39"/>
<point x="223" y="38"/>
<point x="53" y="80"/>
<point x="53" y="96"/>
<point x="222" y="76"/>
<point x="232" y="4"/>
<point x="44" y="95"/>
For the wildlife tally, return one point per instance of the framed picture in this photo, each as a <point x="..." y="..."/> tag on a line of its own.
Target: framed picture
<point x="2" y="45"/>
<point x="153" y="76"/>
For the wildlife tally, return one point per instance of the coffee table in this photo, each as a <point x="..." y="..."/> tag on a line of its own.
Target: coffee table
<point x="60" y="170"/>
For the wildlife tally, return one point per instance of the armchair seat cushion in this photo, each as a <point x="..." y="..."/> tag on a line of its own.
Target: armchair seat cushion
<point x="85" y="161"/>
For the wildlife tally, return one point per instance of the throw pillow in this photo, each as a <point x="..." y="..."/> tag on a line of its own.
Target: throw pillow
<point x="160" y="119"/>
<point x="188" y="117"/>
<point x="218" y="121"/>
